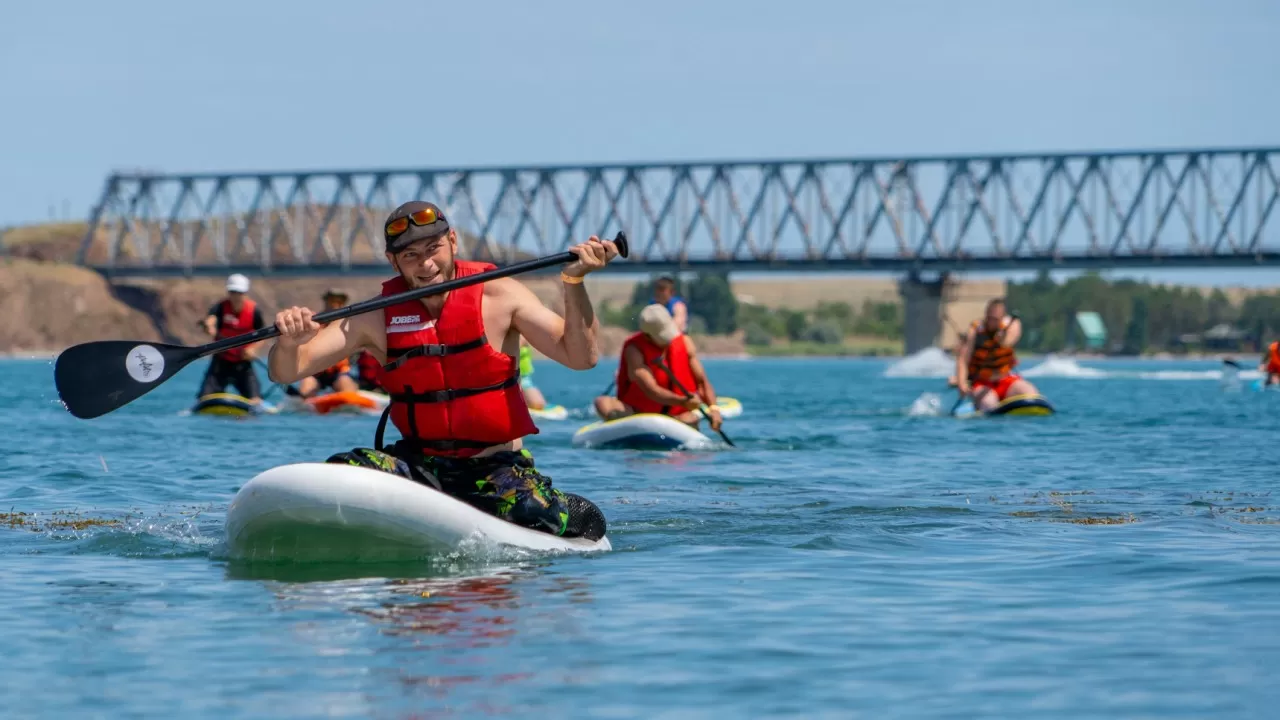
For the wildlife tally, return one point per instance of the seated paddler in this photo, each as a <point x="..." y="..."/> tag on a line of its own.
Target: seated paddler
<point x="660" y="373"/>
<point x="450" y="368"/>
<point x="338" y="377"/>
<point x="986" y="361"/>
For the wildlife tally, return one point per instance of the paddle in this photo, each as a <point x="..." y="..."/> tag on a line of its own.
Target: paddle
<point x="687" y="394"/>
<point x="95" y="378"/>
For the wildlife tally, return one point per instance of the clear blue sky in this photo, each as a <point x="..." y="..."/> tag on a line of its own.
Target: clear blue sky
<point x="86" y="86"/>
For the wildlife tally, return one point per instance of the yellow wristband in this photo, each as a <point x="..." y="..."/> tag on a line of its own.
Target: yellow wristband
<point x="570" y="279"/>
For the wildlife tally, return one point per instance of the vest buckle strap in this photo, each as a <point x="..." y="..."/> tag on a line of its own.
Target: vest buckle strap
<point x="437" y="396"/>
<point x="437" y="350"/>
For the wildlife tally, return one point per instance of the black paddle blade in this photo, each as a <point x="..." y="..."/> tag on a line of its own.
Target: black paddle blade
<point x="95" y="378"/>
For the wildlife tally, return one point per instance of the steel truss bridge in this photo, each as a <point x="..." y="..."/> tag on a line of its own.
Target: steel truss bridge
<point x="1210" y="207"/>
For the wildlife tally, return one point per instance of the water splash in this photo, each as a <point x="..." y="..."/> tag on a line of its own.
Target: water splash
<point x="927" y="405"/>
<point x="1054" y="366"/>
<point x="930" y="362"/>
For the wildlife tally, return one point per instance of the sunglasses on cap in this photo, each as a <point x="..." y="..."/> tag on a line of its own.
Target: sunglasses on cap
<point x="397" y="227"/>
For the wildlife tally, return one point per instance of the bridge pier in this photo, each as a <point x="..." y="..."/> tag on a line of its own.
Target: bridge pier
<point x="923" y="309"/>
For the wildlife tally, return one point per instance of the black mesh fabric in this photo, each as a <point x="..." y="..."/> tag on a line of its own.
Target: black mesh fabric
<point x="585" y="519"/>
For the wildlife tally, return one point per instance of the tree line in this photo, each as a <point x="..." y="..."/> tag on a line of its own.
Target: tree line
<point x="1139" y="316"/>
<point x="714" y="310"/>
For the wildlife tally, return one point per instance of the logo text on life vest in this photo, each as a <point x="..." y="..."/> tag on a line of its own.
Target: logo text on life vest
<point x="408" y="323"/>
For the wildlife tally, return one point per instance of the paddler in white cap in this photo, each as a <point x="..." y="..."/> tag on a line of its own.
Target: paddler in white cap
<point x="236" y="314"/>
<point x="660" y="373"/>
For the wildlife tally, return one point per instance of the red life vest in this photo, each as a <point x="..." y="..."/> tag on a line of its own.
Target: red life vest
<point x="451" y="393"/>
<point x="232" y="325"/>
<point x="675" y="356"/>
<point x="1273" y="362"/>
<point x="369" y="370"/>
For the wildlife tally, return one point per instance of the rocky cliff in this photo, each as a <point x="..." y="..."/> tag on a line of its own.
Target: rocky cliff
<point x="47" y="303"/>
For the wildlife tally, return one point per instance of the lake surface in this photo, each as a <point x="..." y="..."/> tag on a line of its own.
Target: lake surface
<point x="858" y="554"/>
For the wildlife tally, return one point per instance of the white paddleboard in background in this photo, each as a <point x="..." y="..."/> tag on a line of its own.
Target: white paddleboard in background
<point x="326" y="512"/>
<point x="643" y="431"/>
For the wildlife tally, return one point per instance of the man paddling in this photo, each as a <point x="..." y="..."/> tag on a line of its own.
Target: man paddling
<point x="664" y="294"/>
<point x="236" y="314"/>
<point x="337" y="377"/>
<point x="451" y="371"/>
<point x="986" y="361"/>
<point x="532" y="395"/>
<point x="1271" y="364"/>
<point x="660" y="373"/>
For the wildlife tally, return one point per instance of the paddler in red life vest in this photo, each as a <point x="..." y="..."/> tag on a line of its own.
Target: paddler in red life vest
<point x="337" y="378"/>
<point x="645" y="381"/>
<point x="235" y="315"/>
<point x="985" y="363"/>
<point x="451" y="371"/>
<point x="1271" y="364"/>
<point x="368" y="372"/>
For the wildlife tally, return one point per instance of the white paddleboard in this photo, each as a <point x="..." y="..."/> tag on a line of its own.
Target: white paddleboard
<point x="326" y="512"/>
<point x="643" y="431"/>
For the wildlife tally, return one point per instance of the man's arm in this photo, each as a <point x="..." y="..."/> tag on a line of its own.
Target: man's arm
<point x="301" y="353"/>
<point x="704" y="390"/>
<point x="569" y="340"/>
<point x="210" y="322"/>
<point x="640" y="375"/>
<point x="681" y="316"/>
<point x="1012" y="333"/>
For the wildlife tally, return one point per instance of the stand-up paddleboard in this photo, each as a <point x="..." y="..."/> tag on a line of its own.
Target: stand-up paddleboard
<point x="550" y="412"/>
<point x="729" y="407"/>
<point x="230" y="404"/>
<point x="326" y="512"/>
<point x="354" y="402"/>
<point x="643" y="431"/>
<point x="1029" y="404"/>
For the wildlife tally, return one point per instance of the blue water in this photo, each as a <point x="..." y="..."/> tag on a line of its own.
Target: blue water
<point x="855" y="555"/>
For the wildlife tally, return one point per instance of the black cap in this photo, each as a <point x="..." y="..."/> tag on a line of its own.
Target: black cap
<point x="415" y="232"/>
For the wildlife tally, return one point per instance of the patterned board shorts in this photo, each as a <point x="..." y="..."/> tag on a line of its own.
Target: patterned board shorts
<point x="504" y="484"/>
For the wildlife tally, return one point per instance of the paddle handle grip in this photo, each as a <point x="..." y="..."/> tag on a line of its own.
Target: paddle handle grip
<point x="379" y="303"/>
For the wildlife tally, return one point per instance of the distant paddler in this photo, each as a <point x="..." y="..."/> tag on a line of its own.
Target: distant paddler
<point x="236" y="314"/>
<point x="657" y="363"/>
<point x="532" y="395"/>
<point x="664" y="294"/>
<point x="986" y="361"/>
<point x="338" y="376"/>
<point x="1271" y="364"/>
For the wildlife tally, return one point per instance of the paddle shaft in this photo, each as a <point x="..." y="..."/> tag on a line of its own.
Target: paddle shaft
<point x="379" y="303"/>
<point x="679" y="385"/>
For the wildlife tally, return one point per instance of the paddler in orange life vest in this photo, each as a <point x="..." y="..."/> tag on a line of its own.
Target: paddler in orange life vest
<point x="337" y="378"/>
<point x="985" y="364"/>
<point x="449" y="365"/>
<point x="234" y="315"/>
<point x="656" y="363"/>
<point x="1271" y="364"/>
